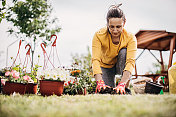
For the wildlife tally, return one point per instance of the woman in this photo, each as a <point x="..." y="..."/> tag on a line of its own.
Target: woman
<point x="113" y="51"/>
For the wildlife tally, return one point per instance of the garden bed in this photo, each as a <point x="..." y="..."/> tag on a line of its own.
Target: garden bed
<point x="98" y="105"/>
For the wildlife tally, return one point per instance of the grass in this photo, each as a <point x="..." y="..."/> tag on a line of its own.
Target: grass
<point x="94" y="105"/>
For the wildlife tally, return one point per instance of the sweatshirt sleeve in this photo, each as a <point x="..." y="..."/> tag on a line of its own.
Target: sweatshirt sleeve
<point x="131" y="54"/>
<point x="96" y="52"/>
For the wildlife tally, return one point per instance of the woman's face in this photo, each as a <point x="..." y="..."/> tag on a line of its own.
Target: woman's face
<point x="115" y="26"/>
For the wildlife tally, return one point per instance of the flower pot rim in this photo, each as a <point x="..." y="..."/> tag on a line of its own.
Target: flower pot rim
<point x="32" y="83"/>
<point x="16" y="82"/>
<point x="52" y="80"/>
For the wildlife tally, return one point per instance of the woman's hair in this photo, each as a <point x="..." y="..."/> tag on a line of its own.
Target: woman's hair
<point x="115" y="12"/>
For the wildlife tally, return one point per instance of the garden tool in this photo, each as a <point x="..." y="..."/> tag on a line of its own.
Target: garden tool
<point x="161" y="92"/>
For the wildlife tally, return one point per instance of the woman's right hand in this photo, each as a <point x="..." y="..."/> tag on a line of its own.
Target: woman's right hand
<point x="100" y="84"/>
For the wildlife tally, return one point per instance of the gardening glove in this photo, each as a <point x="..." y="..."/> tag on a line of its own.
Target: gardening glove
<point x="121" y="88"/>
<point x="100" y="84"/>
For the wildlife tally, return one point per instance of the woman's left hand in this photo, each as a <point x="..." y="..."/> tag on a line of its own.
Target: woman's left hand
<point x="121" y="88"/>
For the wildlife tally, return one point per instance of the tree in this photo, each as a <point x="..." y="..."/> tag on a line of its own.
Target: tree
<point x="2" y="13"/>
<point x="31" y="21"/>
<point x="156" y="69"/>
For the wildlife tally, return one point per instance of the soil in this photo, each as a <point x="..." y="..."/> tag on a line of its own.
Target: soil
<point x="110" y="90"/>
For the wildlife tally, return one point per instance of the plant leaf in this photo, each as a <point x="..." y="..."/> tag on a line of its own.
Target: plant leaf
<point x="4" y="3"/>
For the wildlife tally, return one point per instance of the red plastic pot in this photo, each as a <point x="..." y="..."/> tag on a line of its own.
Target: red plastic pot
<point x="11" y="87"/>
<point x="31" y="88"/>
<point x="48" y="88"/>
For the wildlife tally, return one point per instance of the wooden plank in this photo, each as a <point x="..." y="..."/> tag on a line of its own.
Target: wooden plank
<point x="149" y="44"/>
<point x="162" y="63"/>
<point x="153" y="30"/>
<point x="145" y="40"/>
<point x="142" y="31"/>
<point x="136" y="71"/>
<point x="172" y="46"/>
<point x="148" y="35"/>
<point x="167" y="47"/>
<point x="159" y="44"/>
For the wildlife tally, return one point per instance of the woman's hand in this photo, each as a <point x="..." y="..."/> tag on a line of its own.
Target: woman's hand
<point x="100" y="84"/>
<point x="121" y="88"/>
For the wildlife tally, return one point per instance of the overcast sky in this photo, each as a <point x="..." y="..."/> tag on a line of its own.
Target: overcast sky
<point x="80" y="19"/>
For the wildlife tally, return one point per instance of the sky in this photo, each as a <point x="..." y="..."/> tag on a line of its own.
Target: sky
<point x="80" y="19"/>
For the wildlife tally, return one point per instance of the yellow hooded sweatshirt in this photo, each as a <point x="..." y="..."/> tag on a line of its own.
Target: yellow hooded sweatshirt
<point x="104" y="52"/>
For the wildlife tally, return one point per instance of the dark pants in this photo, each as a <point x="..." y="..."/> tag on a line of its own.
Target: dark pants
<point x="109" y="73"/>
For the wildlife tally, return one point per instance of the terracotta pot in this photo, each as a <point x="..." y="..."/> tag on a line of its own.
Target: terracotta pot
<point x="31" y="88"/>
<point x="51" y="87"/>
<point x="11" y="87"/>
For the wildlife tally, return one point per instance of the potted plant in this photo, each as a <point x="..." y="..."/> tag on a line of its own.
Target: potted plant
<point x="73" y="88"/>
<point x="2" y="76"/>
<point x="15" y="81"/>
<point x="4" y="70"/>
<point x="78" y="85"/>
<point x="31" y="87"/>
<point x="52" y="81"/>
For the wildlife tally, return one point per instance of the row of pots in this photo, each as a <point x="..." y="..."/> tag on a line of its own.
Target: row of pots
<point x="47" y="88"/>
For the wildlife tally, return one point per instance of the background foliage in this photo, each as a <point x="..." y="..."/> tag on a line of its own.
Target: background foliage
<point x="157" y="68"/>
<point x="2" y="12"/>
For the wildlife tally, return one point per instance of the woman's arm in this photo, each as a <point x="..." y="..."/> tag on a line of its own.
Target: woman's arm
<point x="125" y="77"/>
<point x="96" y="53"/>
<point x="98" y="77"/>
<point x="131" y="56"/>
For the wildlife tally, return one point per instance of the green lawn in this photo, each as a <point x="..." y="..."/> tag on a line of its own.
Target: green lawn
<point x="88" y="106"/>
